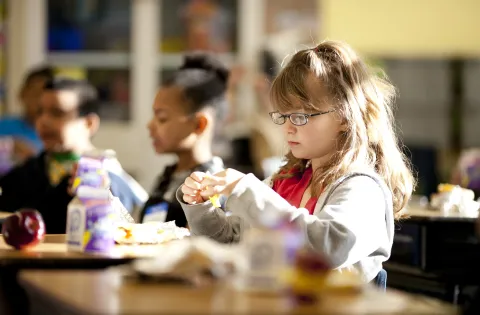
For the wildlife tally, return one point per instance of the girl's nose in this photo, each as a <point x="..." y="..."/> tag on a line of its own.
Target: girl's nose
<point x="150" y="125"/>
<point x="289" y="128"/>
<point x="41" y="120"/>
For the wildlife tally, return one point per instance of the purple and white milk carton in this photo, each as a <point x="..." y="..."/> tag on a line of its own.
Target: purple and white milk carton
<point x="91" y="215"/>
<point x="91" y="221"/>
<point x="91" y="170"/>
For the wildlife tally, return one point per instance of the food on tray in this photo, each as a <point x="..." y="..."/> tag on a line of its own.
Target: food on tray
<point x="149" y="233"/>
<point x="454" y="198"/>
<point x="447" y="188"/>
<point x="23" y="229"/>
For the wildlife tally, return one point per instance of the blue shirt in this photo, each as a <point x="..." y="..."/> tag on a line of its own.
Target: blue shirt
<point x="18" y="128"/>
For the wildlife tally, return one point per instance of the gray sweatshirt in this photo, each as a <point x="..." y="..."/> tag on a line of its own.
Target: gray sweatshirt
<point x="352" y="223"/>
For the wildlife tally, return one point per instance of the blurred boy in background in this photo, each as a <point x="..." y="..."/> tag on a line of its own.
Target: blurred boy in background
<point x="21" y="130"/>
<point x="66" y="123"/>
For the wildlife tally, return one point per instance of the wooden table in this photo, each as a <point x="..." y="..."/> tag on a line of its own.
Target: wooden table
<point x="416" y="212"/>
<point x="4" y="215"/>
<point x="53" y="254"/>
<point x="109" y="292"/>
<point x="434" y="253"/>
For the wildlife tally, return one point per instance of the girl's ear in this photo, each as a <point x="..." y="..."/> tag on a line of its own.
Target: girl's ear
<point x="93" y="123"/>
<point x="202" y="123"/>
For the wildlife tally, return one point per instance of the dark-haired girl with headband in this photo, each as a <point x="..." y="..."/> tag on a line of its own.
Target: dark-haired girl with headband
<point x="183" y="123"/>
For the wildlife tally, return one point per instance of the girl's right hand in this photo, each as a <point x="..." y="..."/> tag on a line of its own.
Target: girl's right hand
<point x="192" y="187"/>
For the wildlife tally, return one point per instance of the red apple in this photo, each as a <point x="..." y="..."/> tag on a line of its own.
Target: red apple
<point x="311" y="262"/>
<point x="25" y="228"/>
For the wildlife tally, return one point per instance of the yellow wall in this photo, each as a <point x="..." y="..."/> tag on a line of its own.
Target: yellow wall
<point x="408" y="28"/>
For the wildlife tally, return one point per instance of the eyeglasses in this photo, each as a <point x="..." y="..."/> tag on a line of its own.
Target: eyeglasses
<point x="298" y="119"/>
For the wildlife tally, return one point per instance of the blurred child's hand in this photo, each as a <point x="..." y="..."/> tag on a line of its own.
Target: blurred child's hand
<point x="191" y="188"/>
<point x="222" y="183"/>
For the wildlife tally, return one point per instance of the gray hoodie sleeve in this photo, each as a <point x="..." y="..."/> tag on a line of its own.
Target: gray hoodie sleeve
<point x="205" y="219"/>
<point x="349" y="227"/>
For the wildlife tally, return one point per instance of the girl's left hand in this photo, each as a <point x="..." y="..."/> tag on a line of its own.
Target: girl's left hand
<point x="221" y="183"/>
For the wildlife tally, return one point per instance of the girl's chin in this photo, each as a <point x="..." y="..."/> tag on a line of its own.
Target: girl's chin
<point x="300" y="155"/>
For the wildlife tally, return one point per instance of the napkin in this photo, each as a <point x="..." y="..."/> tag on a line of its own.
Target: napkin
<point x="188" y="258"/>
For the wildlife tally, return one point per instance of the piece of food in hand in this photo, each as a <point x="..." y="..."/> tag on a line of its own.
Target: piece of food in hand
<point x="215" y="199"/>
<point x="25" y="228"/>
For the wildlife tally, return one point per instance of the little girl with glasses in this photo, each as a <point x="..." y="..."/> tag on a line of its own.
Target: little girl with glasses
<point x="345" y="177"/>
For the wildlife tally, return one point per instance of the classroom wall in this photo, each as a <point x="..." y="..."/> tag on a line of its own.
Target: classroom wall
<point x="417" y="49"/>
<point x="381" y="27"/>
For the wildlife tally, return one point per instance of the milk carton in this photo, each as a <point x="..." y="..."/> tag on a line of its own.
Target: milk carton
<point x="91" y="221"/>
<point x="268" y="253"/>
<point x="91" y="215"/>
<point x="91" y="170"/>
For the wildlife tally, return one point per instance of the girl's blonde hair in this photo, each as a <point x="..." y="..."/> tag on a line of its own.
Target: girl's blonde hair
<point x="364" y="102"/>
